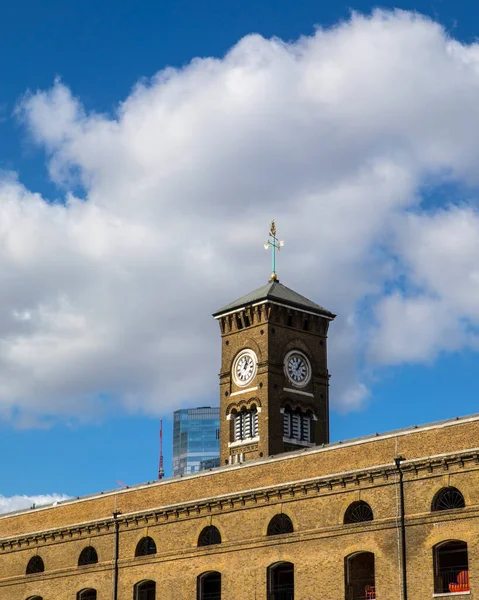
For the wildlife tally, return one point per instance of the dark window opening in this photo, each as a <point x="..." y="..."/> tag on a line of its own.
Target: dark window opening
<point x="88" y="556"/>
<point x="145" y="546"/>
<point x="145" y="590"/>
<point x="35" y="565"/>
<point x="305" y="325"/>
<point x="239" y="323"/>
<point x="290" y="320"/>
<point x="209" y="536"/>
<point x="280" y="524"/>
<point x="357" y="512"/>
<point x="209" y="586"/>
<point x="451" y="568"/>
<point x="88" y="594"/>
<point x="246" y="321"/>
<point x="281" y="581"/>
<point x="360" y="583"/>
<point x="447" y="499"/>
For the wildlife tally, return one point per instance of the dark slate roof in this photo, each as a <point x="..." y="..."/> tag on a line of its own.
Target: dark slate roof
<point x="276" y="291"/>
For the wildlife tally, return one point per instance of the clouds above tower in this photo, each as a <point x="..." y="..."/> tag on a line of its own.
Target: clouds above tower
<point x="343" y="137"/>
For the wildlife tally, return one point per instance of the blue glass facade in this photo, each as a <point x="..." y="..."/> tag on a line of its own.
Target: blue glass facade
<point x="196" y="439"/>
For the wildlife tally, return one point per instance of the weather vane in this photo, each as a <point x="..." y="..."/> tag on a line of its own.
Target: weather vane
<point x="275" y="244"/>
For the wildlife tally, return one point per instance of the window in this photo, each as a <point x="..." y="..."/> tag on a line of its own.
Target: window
<point x="145" y="546"/>
<point x="88" y="594"/>
<point x="209" y="536"/>
<point x="357" y="512"/>
<point x="448" y="498"/>
<point x="360" y="583"/>
<point x="209" y="586"/>
<point x="144" y="590"/>
<point x="35" y="565"/>
<point x="297" y="425"/>
<point x="34" y="598"/>
<point x="280" y="524"/>
<point x="280" y="579"/>
<point x="88" y="556"/>
<point x="246" y="424"/>
<point x="451" y="568"/>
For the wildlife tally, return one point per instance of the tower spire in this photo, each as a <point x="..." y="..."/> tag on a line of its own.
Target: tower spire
<point x="275" y="244"/>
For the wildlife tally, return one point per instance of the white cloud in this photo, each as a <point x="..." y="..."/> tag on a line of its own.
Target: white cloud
<point x="13" y="503"/>
<point x="107" y="299"/>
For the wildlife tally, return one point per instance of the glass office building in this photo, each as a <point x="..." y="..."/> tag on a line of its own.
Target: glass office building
<point x="196" y="439"/>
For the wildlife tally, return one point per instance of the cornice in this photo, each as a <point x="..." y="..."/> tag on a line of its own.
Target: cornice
<point x="333" y="483"/>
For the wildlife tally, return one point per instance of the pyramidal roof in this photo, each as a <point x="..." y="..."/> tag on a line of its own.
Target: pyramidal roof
<point x="275" y="291"/>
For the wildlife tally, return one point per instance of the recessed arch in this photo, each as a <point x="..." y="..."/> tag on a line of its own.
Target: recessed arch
<point x="358" y="512"/>
<point x="35" y="565"/>
<point x="87" y="594"/>
<point x="144" y="590"/>
<point x="280" y="580"/>
<point x="145" y="546"/>
<point x="448" y="498"/>
<point x="209" y="536"/>
<point x="359" y="576"/>
<point x="88" y="556"/>
<point x="451" y="567"/>
<point x="209" y="586"/>
<point x="280" y="524"/>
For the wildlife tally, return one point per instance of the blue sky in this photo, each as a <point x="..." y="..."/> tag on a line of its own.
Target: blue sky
<point x="60" y="436"/>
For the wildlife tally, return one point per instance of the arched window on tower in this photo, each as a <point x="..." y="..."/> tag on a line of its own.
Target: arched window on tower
<point x="246" y="424"/>
<point x="280" y="524"/>
<point x="297" y="426"/>
<point x="87" y="594"/>
<point x="280" y="577"/>
<point x="209" y="586"/>
<point x="357" y="512"/>
<point x="448" y="498"/>
<point x="145" y="546"/>
<point x="144" y="590"/>
<point x="210" y="535"/>
<point x="88" y="556"/>
<point x="451" y="567"/>
<point x="35" y="565"/>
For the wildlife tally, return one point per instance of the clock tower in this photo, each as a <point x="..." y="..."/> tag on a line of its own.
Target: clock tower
<point x="274" y="379"/>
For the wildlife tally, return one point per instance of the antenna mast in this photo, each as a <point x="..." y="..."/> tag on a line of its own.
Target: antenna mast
<point x="161" y="471"/>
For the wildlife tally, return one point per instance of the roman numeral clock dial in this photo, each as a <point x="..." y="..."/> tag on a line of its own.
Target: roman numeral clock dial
<point x="297" y="368"/>
<point x="244" y="367"/>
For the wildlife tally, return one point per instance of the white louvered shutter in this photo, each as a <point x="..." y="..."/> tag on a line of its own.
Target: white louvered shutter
<point x="247" y="423"/>
<point x="255" y="422"/>
<point x="296" y="434"/>
<point x="238" y="427"/>
<point x="306" y="421"/>
<point x="287" y="424"/>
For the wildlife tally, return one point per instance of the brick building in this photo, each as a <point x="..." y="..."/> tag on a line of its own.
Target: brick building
<point x="287" y="515"/>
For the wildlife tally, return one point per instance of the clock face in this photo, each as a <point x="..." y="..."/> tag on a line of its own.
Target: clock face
<point x="297" y="368"/>
<point x="244" y="367"/>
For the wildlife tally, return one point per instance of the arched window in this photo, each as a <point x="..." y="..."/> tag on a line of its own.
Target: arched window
<point x="280" y="524"/>
<point x="280" y="577"/>
<point x="87" y="594"/>
<point x="357" y="512"/>
<point x="451" y="567"/>
<point x="246" y="424"/>
<point x="88" y="556"/>
<point x="35" y="565"/>
<point x="297" y="425"/>
<point x="145" y="546"/>
<point x="144" y="590"/>
<point x="359" y="576"/>
<point x="447" y="498"/>
<point x="209" y="586"/>
<point x="209" y="536"/>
